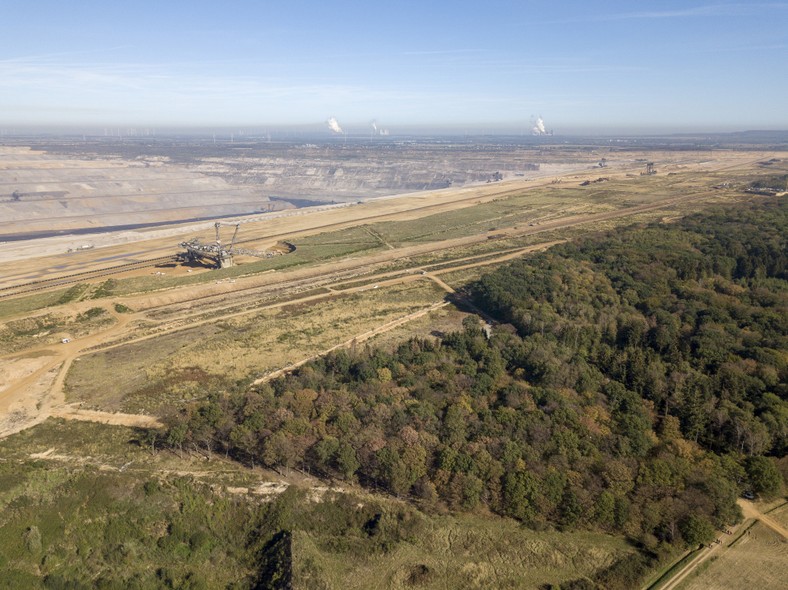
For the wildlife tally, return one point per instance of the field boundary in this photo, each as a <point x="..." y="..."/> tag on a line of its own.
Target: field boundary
<point x="666" y="573"/>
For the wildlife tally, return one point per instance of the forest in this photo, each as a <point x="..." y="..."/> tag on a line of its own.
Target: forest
<point x="634" y="382"/>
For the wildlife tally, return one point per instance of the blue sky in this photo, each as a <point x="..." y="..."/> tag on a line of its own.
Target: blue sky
<point x="584" y="66"/>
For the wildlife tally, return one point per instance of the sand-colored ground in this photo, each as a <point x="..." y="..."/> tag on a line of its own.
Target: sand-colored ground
<point x="31" y="383"/>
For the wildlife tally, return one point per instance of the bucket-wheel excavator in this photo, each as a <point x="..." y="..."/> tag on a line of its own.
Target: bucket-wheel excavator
<point x="215" y="253"/>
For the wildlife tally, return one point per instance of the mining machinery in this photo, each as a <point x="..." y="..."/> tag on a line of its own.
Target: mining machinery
<point x="215" y="253"/>
<point x="650" y="170"/>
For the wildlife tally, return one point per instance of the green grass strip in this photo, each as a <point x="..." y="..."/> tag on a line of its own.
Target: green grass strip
<point x="666" y="574"/>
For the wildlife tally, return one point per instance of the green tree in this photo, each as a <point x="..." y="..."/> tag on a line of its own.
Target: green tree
<point x="764" y="477"/>
<point x="347" y="461"/>
<point x="605" y="510"/>
<point x="696" y="530"/>
<point x="519" y="491"/>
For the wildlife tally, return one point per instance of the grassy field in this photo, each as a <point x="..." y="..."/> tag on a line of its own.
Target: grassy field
<point x="319" y="248"/>
<point x="29" y="303"/>
<point x="533" y="206"/>
<point x="74" y="524"/>
<point x="174" y="368"/>
<point x="759" y="559"/>
<point x="780" y="514"/>
<point x="459" y="552"/>
<point x="89" y="506"/>
<point x="323" y="247"/>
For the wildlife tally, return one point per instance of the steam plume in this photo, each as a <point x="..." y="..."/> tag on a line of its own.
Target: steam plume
<point x="538" y="128"/>
<point x="378" y="130"/>
<point x="333" y="125"/>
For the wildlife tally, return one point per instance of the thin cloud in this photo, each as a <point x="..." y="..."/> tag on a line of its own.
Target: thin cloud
<point x="698" y="11"/>
<point x="175" y="93"/>
<point x="440" y="51"/>
<point x="58" y="56"/>
<point x="706" y="10"/>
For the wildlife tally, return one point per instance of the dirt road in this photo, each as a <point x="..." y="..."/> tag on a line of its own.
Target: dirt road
<point x="27" y="401"/>
<point x="750" y="512"/>
<point x="74" y="412"/>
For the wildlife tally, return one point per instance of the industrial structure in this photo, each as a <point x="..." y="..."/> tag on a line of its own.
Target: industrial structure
<point x="216" y="254"/>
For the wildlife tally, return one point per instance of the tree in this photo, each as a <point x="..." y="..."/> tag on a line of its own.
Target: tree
<point x="764" y="477"/>
<point x="519" y="491"/>
<point x="347" y="462"/>
<point x="280" y="449"/>
<point x="325" y="452"/>
<point x="696" y="530"/>
<point x="605" y="509"/>
<point x="570" y="509"/>
<point x="150" y="436"/>
<point x="176" y="435"/>
<point x="454" y="424"/>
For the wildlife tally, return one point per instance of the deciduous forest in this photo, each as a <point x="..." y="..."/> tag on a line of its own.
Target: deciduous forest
<point x="633" y="382"/>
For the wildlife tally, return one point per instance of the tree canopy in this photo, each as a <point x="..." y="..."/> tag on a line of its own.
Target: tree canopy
<point x="636" y="385"/>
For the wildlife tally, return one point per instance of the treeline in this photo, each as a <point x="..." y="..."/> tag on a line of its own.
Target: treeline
<point x="776" y="183"/>
<point x="637" y="385"/>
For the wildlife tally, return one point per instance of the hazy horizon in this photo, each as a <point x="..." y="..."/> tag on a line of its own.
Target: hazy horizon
<point x="586" y="68"/>
<point x="361" y="132"/>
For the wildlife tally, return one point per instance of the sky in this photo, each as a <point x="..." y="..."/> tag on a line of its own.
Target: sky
<point x="584" y="66"/>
